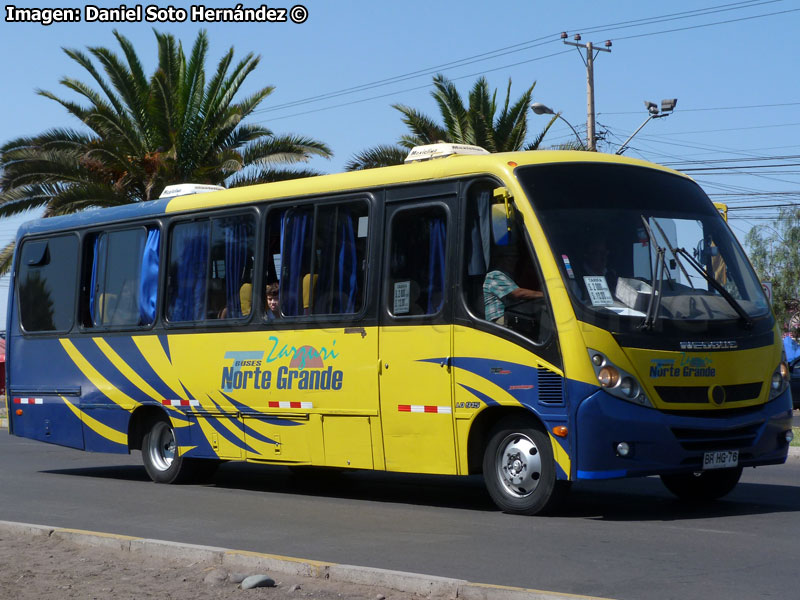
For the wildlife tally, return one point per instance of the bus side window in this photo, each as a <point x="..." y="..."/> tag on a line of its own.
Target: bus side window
<point x="417" y="261"/>
<point x="318" y="254"/>
<point x="46" y="283"/>
<point x="121" y="278"/>
<point x="209" y="263"/>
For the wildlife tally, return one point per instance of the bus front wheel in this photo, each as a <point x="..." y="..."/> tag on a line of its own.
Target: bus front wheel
<point x="162" y="461"/>
<point x="519" y="469"/>
<point x="703" y="485"/>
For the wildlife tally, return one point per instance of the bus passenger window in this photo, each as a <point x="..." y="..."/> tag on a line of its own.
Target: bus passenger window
<point x="210" y="263"/>
<point x="318" y="255"/>
<point x="122" y="279"/>
<point x="46" y="283"/>
<point x="417" y="261"/>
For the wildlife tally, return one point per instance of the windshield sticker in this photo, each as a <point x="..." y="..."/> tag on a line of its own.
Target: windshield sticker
<point x="568" y="266"/>
<point x="599" y="294"/>
<point x="686" y="366"/>
<point x="624" y="311"/>
<point x="402" y="297"/>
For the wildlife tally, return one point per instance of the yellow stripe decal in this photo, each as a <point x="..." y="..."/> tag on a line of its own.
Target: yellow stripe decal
<point x="126" y="370"/>
<point x="100" y="382"/>
<point x="561" y="456"/>
<point x="99" y="428"/>
<point x="150" y="346"/>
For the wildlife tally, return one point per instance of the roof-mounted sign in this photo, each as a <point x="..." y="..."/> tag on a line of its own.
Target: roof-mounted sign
<point x="186" y="189"/>
<point x="441" y="150"/>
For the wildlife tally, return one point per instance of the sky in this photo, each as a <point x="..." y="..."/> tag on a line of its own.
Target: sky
<point x="337" y="73"/>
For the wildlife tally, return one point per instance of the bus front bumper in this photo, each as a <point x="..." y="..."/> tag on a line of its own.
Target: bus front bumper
<point x="660" y="442"/>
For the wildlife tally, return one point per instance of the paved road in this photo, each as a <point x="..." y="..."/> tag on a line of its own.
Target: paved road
<point x="624" y="539"/>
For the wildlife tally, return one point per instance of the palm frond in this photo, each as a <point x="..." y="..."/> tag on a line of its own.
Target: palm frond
<point x="455" y="116"/>
<point x="378" y="156"/>
<point x="86" y="62"/>
<point x="537" y="141"/>
<point x="422" y="126"/>
<point x="284" y="149"/>
<point x="145" y="131"/>
<point x="270" y="176"/>
<point x="7" y="257"/>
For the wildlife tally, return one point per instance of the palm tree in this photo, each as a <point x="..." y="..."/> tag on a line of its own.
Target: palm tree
<point x="145" y="133"/>
<point x="478" y="123"/>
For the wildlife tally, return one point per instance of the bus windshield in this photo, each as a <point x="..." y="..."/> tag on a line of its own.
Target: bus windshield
<point x="641" y="246"/>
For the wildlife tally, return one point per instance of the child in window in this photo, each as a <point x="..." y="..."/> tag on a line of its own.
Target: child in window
<point x="273" y="304"/>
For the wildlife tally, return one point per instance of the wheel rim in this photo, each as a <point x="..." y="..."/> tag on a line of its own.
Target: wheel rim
<point x="519" y="465"/>
<point x="162" y="446"/>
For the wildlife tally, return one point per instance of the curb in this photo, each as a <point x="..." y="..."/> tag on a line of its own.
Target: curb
<point x="429" y="586"/>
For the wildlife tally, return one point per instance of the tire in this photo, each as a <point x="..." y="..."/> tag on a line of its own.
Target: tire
<point x="703" y="485"/>
<point x="161" y="460"/>
<point x="519" y="469"/>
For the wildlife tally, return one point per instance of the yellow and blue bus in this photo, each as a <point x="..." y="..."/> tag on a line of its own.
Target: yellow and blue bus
<point x="538" y="317"/>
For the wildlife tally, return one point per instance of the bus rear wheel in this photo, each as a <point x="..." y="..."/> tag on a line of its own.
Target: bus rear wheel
<point x="703" y="485"/>
<point x="162" y="461"/>
<point x="519" y="469"/>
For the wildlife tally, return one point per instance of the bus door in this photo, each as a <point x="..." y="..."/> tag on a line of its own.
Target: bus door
<point x="416" y="400"/>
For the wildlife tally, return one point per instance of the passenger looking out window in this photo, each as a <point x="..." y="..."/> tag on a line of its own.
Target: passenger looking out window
<point x="272" y="302"/>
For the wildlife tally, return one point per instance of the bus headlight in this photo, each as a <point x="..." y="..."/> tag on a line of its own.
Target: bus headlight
<point x="780" y="380"/>
<point x="616" y="381"/>
<point x="629" y="387"/>
<point x="608" y="377"/>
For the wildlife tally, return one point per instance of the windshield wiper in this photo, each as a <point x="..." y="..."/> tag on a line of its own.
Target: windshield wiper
<point x="748" y="322"/>
<point x="674" y="252"/>
<point x="655" y="283"/>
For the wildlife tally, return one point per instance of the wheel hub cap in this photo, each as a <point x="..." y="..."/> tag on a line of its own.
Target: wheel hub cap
<point x="519" y="465"/>
<point x="162" y="450"/>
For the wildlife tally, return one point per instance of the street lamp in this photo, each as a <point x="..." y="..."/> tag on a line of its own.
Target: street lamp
<point x="667" y="106"/>
<point x="541" y="109"/>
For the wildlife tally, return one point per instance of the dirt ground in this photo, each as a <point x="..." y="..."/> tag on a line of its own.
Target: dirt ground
<point x="43" y="568"/>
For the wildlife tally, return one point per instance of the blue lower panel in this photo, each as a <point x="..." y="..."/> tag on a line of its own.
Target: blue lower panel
<point x="99" y="423"/>
<point x="51" y="421"/>
<point x="665" y="443"/>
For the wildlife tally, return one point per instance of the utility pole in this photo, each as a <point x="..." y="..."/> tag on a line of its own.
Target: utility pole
<point x="591" y="50"/>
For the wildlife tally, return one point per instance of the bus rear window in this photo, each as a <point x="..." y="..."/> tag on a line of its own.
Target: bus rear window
<point x="46" y="283"/>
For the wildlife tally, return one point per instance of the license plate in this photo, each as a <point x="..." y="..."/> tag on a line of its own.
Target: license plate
<point x="721" y="459"/>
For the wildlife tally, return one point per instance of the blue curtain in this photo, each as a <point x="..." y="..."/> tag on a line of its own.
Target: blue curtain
<point x="436" y="265"/>
<point x="100" y="244"/>
<point x="236" y="246"/>
<point x="480" y="236"/>
<point x="345" y="300"/>
<point x="296" y="229"/>
<point x="148" y="277"/>
<point x="337" y="265"/>
<point x="188" y="300"/>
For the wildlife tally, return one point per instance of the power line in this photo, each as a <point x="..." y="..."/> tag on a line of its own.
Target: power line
<point x="427" y="85"/>
<point x="718" y="108"/>
<point x="518" y="47"/>
<point x="782" y="12"/>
